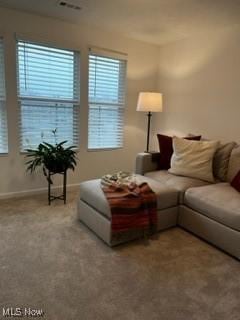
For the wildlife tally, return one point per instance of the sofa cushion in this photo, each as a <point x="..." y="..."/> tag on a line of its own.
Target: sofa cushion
<point x="177" y="182"/>
<point x="193" y="158"/>
<point x="166" y="149"/>
<point x="220" y="202"/>
<point x="91" y="193"/>
<point x="221" y="160"/>
<point x="234" y="164"/>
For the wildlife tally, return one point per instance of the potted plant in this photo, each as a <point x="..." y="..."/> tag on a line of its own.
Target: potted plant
<point x="54" y="158"/>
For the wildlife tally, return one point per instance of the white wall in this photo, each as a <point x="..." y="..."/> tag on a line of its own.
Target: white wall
<point x="141" y="75"/>
<point x="200" y="80"/>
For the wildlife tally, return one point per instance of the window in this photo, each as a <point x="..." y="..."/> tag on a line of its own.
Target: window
<point x="107" y="77"/>
<point x="3" y="116"/>
<point x="48" y="92"/>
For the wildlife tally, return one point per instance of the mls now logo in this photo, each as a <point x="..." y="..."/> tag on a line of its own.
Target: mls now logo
<point x="12" y="312"/>
<point x="21" y="312"/>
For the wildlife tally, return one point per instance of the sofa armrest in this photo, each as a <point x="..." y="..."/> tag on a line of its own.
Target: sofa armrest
<point x="146" y="162"/>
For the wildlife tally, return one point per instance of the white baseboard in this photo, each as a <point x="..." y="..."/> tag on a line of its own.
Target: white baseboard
<point x="24" y="193"/>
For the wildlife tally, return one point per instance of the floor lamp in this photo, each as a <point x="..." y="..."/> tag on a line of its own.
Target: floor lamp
<point x="149" y="102"/>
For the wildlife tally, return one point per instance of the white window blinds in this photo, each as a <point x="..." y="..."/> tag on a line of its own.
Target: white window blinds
<point x="107" y="80"/>
<point x="48" y="91"/>
<point x="3" y="116"/>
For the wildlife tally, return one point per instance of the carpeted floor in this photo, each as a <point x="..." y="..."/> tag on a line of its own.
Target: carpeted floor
<point x="48" y="260"/>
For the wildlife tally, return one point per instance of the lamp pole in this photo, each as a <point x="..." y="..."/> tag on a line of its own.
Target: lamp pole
<point x="149" y="102"/>
<point x="148" y="130"/>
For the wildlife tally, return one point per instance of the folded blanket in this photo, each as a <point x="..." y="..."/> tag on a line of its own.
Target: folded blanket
<point x="132" y="207"/>
<point x="119" y="179"/>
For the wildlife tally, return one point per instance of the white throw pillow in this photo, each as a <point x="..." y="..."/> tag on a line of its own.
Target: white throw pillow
<point x="193" y="158"/>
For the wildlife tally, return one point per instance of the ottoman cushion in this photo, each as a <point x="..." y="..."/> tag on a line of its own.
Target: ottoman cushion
<point x="92" y="194"/>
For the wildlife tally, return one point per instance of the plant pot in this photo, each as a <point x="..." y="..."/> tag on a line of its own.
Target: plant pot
<point x="56" y="168"/>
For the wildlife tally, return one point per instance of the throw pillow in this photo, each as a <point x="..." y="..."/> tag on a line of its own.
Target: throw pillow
<point x="166" y="149"/>
<point x="234" y="164"/>
<point x="236" y="182"/>
<point x="193" y="158"/>
<point x="221" y="160"/>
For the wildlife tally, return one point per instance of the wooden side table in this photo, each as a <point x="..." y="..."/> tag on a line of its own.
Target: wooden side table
<point x="63" y="196"/>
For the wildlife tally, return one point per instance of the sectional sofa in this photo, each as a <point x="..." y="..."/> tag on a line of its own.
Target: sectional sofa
<point x="211" y="211"/>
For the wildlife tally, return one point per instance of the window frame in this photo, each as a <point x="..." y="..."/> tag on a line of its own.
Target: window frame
<point x="108" y="54"/>
<point x="75" y="101"/>
<point x="4" y="110"/>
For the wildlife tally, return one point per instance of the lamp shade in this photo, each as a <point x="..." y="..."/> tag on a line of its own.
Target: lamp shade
<point x="149" y="102"/>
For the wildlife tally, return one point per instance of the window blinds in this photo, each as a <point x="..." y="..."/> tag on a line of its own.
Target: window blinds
<point x="48" y="91"/>
<point x="107" y="80"/>
<point x="3" y="117"/>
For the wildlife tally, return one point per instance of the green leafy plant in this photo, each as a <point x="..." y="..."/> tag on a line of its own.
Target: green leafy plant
<point x="52" y="157"/>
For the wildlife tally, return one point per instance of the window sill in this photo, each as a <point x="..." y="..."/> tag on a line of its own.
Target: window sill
<point x="26" y="152"/>
<point x="3" y="154"/>
<point x="103" y="149"/>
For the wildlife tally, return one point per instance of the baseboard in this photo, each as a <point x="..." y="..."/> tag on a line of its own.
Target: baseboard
<point x="24" y="193"/>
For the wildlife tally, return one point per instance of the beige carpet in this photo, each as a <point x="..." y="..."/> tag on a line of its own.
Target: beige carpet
<point x="49" y="260"/>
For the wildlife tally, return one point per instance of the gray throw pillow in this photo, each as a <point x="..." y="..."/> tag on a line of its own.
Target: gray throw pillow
<point x="221" y="160"/>
<point x="234" y="164"/>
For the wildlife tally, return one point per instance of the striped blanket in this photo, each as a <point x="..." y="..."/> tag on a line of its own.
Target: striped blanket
<point x="132" y="207"/>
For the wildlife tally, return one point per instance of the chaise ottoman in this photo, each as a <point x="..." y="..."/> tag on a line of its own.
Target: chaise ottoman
<point x="95" y="213"/>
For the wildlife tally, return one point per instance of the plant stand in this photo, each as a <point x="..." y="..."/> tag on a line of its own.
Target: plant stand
<point x="63" y="195"/>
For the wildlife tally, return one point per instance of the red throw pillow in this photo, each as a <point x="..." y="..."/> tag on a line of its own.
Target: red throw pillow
<point x="236" y="182"/>
<point x="166" y="150"/>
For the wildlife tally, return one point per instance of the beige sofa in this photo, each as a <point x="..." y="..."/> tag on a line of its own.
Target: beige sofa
<point x="211" y="211"/>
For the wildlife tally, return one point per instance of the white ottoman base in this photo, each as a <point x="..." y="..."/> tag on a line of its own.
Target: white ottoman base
<point x="101" y="225"/>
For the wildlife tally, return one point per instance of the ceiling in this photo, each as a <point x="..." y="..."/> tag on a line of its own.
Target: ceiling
<point x="153" y="21"/>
